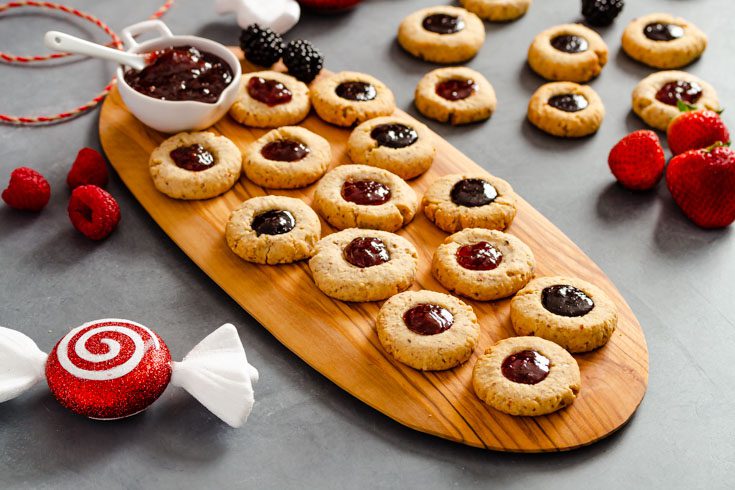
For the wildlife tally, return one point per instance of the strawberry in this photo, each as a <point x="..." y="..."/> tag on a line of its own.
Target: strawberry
<point x="692" y="130"/>
<point x="638" y="160"/>
<point x="329" y="5"/>
<point x="702" y="183"/>
<point x="27" y="190"/>
<point x="88" y="169"/>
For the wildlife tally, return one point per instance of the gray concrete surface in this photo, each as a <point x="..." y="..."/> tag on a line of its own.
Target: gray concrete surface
<point x="305" y="432"/>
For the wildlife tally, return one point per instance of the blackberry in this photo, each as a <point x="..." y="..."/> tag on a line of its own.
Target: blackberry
<point x="601" y="12"/>
<point x="303" y="60"/>
<point x="261" y="45"/>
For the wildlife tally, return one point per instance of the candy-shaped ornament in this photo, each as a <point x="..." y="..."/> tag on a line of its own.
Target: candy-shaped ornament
<point x="279" y="15"/>
<point x="112" y="368"/>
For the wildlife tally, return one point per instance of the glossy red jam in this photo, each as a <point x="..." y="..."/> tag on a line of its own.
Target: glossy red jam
<point x="182" y="73"/>
<point x="455" y="89"/>
<point x="365" y="252"/>
<point x="193" y="157"/>
<point x="473" y="192"/>
<point x="285" y="151"/>
<point x="661" y="31"/>
<point x="569" y="43"/>
<point x="394" y="135"/>
<point x="565" y="300"/>
<point x="366" y="192"/>
<point x="442" y="23"/>
<point x="527" y="367"/>
<point x="269" y="92"/>
<point x="480" y="256"/>
<point x="428" y="319"/>
<point x="357" y="91"/>
<point x="274" y="222"/>
<point x="672" y="92"/>
<point x="569" y="102"/>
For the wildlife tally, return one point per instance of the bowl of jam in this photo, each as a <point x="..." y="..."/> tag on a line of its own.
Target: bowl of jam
<point x="189" y="82"/>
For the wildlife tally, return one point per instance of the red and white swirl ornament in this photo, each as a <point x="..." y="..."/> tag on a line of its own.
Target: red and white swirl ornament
<point x="113" y="368"/>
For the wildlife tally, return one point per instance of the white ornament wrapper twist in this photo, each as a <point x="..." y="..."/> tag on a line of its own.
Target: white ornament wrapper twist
<point x="217" y="373"/>
<point x="279" y="15"/>
<point x="21" y="363"/>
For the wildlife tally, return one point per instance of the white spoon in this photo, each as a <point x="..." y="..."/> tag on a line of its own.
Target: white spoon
<point x="59" y="41"/>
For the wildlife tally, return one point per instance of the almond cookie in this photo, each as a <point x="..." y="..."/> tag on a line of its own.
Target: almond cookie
<point x="395" y="144"/>
<point x="195" y="165"/>
<point x="497" y="10"/>
<point x="348" y="97"/>
<point x="359" y="196"/>
<point x="663" y="41"/>
<point x="269" y="99"/>
<point x="569" y="311"/>
<point x="483" y="264"/>
<point x="459" y="201"/>
<point x="442" y="34"/>
<point x="456" y="94"/>
<point x="427" y="330"/>
<point x="566" y="109"/>
<point x="273" y="230"/>
<point x="526" y="376"/>
<point x="287" y="158"/>
<point x="569" y="52"/>
<point x="363" y="265"/>
<point x="656" y="97"/>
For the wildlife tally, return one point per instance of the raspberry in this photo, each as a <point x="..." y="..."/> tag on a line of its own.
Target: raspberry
<point x="261" y="45"/>
<point x="27" y="190"/>
<point x="93" y="211"/>
<point x="303" y="60"/>
<point x="601" y="12"/>
<point x="88" y="168"/>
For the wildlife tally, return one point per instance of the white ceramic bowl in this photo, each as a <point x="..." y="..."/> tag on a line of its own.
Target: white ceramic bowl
<point x="172" y="116"/>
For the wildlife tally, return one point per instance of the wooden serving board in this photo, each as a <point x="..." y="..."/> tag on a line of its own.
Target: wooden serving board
<point x="339" y="339"/>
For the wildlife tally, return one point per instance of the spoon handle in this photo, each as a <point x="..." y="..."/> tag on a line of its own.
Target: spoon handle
<point x="64" y="42"/>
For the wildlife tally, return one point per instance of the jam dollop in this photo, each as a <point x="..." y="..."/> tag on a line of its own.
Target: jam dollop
<point x="273" y="222"/>
<point x="456" y="89"/>
<point x="366" y="192"/>
<point x="394" y="135"/>
<point x="569" y="43"/>
<point x="269" y="92"/>
<point x="285" y="151"/>
<point x="527" y="367"/>
<point x="193" y="157"/>
<point x="672" y="92"/>
<point x="182" y="73"/>
<point x="443" y="23"/>
<point x="473" y="192"/>
<point x="661" y="31"/>
<point x="565" y="300"/>
<point x="428" y="319"/>
<point x="358" y="91"/>
<point x="480" y="256"/>
<point x="365" y="252"/>
<point x="569" y="102"/>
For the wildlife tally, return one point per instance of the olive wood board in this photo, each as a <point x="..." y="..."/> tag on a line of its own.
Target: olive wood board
<point x="339" y="339"/>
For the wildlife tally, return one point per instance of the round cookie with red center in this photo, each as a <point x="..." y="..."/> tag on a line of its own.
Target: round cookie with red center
<point x="566" y="109"/>
<point x="269" y="99"/>
<point x="456" y="94"/>
<point x="427" y="330"/>
<point x="483" y="264"/>
<point x="663" y="41"/>
<point x="349" y="97"/>
<point x="569" y="52"/>
<point x="526" y="376"/>
<point x="108" y="369"/>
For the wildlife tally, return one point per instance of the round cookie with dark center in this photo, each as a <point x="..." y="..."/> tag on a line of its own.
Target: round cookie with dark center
<point x="442" y="34"/>
<point x="348" y="98"/>
<point x="396" y="144"/>
<point x="566" y="109"/>
<point x="363" y="265"/>
<point x="568" y="311"/>
<point x="361" y="196"/>
<point x="570" y="52"/>
<point x="457" y="95"/>
<point x="656" y="97"/>
<point x="482" y="264"/>
<point x="526" y="376"/>
<point x="459" y="201"/>
<point x="197" y="165"/>
<point x="273" y="230"/>
<point x="497" y="10"/>
<point x="287" y="158"/>
<point x="427" y="330"/>
<point x="663" y="41"/>
<point x="270" y="99"/>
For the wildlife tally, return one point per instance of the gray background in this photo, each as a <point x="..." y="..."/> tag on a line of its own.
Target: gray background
<point x="304" y="431"/>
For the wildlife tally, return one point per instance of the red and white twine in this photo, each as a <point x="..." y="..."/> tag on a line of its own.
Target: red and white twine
<point x="10" y="58"/>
